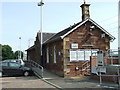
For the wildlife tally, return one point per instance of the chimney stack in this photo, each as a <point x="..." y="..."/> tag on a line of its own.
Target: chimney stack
<point x="85" y="10"/>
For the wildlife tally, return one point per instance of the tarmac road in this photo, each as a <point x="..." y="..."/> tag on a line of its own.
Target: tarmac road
<point x="23" y="82"/>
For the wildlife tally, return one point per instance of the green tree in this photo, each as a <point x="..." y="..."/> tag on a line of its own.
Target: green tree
<point x="7" y="52"/>
<point x="18" y="53"/>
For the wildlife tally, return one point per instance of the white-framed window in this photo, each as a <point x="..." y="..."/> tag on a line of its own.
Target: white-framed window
<point x="47" y="54"/>
<point x="81" y="54"/>
<point x="54" y="54"/>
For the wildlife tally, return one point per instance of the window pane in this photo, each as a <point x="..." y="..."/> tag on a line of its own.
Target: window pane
<point x="47" y="54"/>
<point x="14" y="64"/>
<point x="4" y="64"/>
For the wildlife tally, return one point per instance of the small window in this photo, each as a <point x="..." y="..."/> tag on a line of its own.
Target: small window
<point x="54" y="54"/>
<point x="47" y="54"/>
<point x="14" y="64"/>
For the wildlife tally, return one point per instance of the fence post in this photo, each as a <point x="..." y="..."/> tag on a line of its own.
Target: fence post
<point x="100" y="76"/>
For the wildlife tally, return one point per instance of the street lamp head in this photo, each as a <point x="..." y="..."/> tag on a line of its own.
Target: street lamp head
<point x="19" y="37"/>
<point x="40" y="3"/>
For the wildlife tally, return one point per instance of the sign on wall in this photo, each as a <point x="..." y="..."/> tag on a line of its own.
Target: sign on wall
<point x="74" y="45"/>
<point x="80" y="55"/>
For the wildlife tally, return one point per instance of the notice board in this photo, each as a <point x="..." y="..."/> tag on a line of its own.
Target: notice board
<point x="81" y="54"/>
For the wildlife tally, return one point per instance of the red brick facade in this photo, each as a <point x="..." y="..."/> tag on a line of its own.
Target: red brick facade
<point x="59" y="65"/>
<point x="87" y="34"/>
<point x="82" y="37"/>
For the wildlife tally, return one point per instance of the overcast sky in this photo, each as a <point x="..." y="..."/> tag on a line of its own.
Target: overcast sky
<point x="22" y="19"/>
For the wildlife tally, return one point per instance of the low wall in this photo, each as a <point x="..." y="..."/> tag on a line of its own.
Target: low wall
<point x="70" y="69"/>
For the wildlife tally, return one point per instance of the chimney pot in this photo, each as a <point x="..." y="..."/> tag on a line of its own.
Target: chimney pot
<point x="85" y="10"/>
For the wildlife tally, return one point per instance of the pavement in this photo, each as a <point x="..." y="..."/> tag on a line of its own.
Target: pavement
<point x="75" y="82"/>
<point x="29" y="82"/>
<point x="52" y="81"/>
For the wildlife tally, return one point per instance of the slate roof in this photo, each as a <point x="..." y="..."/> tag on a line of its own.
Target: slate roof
<point x="65" y="32"/>
<point x="32" y="47"/>
<point x="46" y="36"/>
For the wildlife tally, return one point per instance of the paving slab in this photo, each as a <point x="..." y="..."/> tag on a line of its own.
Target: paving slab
<point x="24" y="82"/>
<point x="76" y="82"/>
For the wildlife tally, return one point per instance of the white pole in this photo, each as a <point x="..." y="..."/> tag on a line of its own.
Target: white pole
<point x="29" y="42"/>
<point x="41" y="4"/>
<point x="119" y="30"/>
<point x="20" y="47"/>
<point x="119" y="41"/>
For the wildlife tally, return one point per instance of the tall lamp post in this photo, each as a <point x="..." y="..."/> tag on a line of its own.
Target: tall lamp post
<point x="29" y="41"/>
<point x="20" y="49"/>
<point x="41" y="4"/>
<point x="119" y="30"/>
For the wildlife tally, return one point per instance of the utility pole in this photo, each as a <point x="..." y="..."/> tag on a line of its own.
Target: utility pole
<point x="29" y="41"/>
<point x="119" y="40"/>
<point x="119" y="30"/>
<point x="41" y="4"/>
<point x="20" y="48"/>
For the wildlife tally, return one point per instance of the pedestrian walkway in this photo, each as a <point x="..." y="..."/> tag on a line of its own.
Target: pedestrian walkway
<point x="49" y="75"/>
<point x="74" y="82"/>
<point x="24" y="83"/>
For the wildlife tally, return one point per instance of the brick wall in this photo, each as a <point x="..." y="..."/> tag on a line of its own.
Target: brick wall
<point x="93" y="60"/>
<point x="57" y="67"/>
<point x="31" y="54"/>
<point x="34" y="53"/>
<point x="83" y="36"/>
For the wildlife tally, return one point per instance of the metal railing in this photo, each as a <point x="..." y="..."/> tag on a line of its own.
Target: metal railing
<point x="110" y="55"/>
<point x="32" y="63"/>
<point x="109" y="62"/>
<point x="85" y="66"/>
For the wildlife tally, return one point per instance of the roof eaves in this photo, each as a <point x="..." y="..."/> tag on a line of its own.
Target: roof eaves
<point x="32" y="47"/>
<point x="48" y="41"/>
